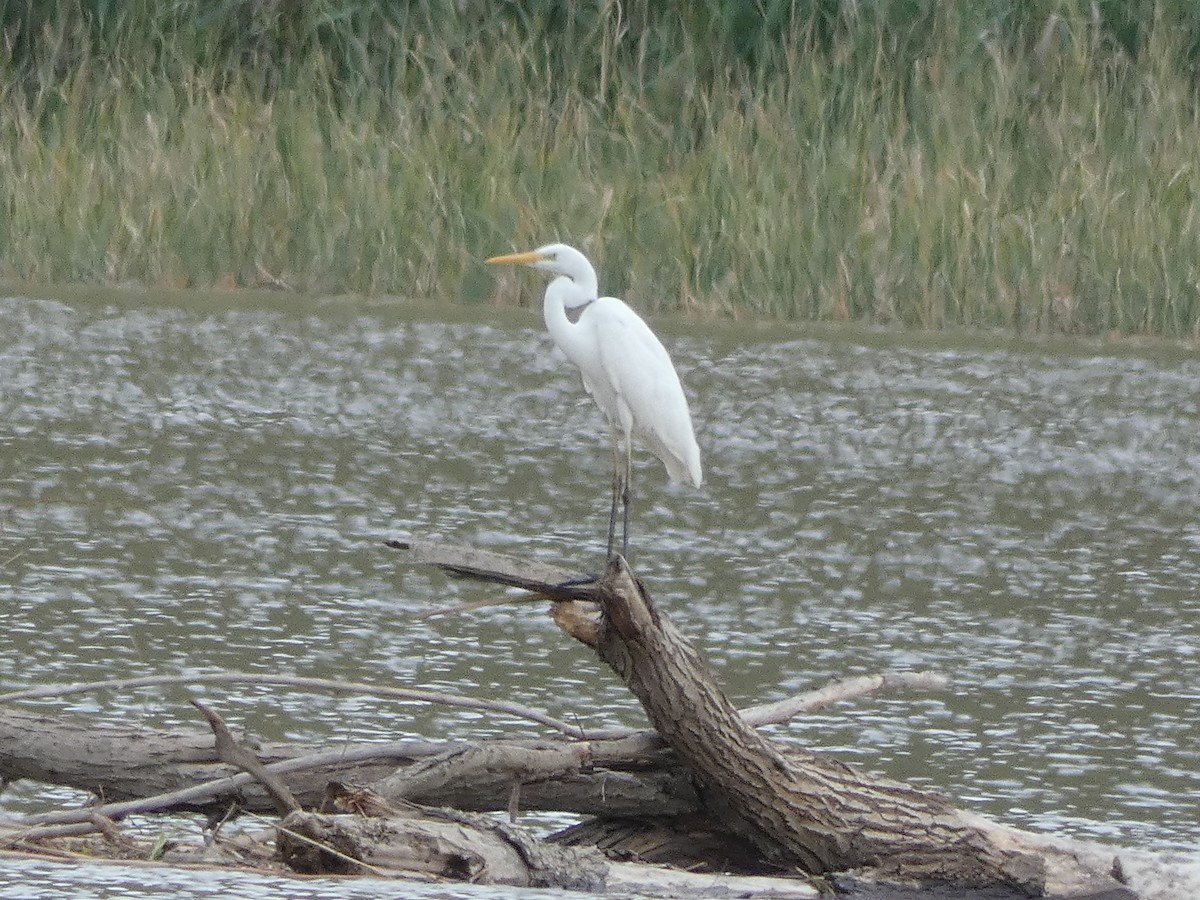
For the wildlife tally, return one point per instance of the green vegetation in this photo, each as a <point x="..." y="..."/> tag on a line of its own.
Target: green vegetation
<point x="1022" y="165"/>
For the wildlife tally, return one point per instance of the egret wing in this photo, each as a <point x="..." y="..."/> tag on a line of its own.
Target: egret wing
<point x="641" y="379"/>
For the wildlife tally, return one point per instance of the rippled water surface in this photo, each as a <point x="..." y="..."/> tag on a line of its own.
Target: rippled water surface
<point x="192" y="484"/>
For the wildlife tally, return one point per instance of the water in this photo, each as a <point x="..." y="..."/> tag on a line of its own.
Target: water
<point x="190" y="483"/>
<point x="25" y="879"/>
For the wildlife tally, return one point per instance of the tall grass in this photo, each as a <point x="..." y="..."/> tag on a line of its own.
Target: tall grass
<point x="943" y="172"/>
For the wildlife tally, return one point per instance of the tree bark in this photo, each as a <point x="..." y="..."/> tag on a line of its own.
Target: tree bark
<point x="461" y="846"/>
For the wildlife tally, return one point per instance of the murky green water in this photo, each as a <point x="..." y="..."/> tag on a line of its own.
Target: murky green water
<point x="191" y="484"/>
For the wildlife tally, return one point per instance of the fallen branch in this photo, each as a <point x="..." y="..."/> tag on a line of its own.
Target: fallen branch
<point x="123" y="765"/>
<point x="229" y="751"/>
<point x="797" y="807"/>
<point x="198" y="796"/>
<point x="840" y="691"/>
<point x="625" y="774"/>
<point x="498" y="568"/>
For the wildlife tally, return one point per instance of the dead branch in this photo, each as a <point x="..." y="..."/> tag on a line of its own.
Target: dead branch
<point x="625" y="771"/>
<point x="498" y="568"/>
<point x="198" y="796"/>
<point x="229" y="751"/>
<point x="588" y="779"/>
<point x="839" y="692"/>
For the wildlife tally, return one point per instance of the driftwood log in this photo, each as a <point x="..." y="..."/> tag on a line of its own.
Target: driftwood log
<point x="797" y="809"/>
<point x="703" y="788"/>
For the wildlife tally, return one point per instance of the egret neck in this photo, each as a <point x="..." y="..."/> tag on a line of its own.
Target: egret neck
<point x="566" y="299"/>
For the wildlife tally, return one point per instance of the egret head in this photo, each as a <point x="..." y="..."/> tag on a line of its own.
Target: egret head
<point x="557" y="259"/>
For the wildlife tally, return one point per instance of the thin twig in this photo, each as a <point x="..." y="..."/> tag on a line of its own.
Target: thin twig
<point x="506" y="707"/>
<point x="782" y="711"/>
<point x="108" y="828"/>
<point x="838" y="691"/>
<point x="43" y="850"/>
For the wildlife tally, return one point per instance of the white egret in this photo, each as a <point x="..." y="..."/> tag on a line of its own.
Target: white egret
<point x="625" y="368"/>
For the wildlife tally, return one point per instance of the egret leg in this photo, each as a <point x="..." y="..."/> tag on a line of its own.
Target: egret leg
<point x="625" y="497"/>
<point x="616" y="492"/>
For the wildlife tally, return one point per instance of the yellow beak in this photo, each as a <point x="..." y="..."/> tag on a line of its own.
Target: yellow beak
<point x="524" y="259"/>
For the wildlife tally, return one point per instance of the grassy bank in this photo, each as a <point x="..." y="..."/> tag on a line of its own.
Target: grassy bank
<point x="926" y="175"/>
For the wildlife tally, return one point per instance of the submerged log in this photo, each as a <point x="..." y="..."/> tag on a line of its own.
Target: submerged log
<point x="446" y="844"/>
<point x="466" y="847"/>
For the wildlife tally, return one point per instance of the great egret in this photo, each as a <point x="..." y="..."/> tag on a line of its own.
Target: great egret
<point x="625" y="368"/>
